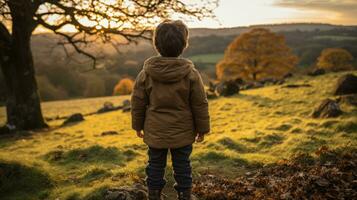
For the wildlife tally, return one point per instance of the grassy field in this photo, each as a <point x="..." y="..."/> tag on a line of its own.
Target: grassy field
<point x="64" y="108"/>
<point x="334" y="37"/>
<point x="207" y="58"/>
<point x="249" y="130"/>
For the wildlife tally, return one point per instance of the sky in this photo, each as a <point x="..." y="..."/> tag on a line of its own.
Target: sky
<point x="231" y="13"/>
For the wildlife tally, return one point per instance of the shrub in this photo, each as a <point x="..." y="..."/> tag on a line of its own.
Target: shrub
<point x="124" y="87"/>
<point x="335" y="59"/>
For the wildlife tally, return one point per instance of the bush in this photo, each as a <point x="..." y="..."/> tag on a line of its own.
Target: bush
<point x="124" y="87"/>
<point x="335" y="59"/>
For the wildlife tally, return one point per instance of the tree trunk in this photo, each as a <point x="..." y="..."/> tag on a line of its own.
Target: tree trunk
<point x="23" y="102"/>
<point x="254" y="73"/>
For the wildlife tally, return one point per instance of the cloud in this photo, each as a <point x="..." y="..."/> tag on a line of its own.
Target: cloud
<point x="345" y="10"/>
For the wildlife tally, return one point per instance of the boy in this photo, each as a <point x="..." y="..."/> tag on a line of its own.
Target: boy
<point x="169" y="110"/>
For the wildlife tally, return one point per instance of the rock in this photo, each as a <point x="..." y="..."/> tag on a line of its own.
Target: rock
<point x="77" y="117"/>
<point x="239" y="81"/>
<point x="267" y="81"/>
<point x="348" y="99"/>
<point x="316" y="72"/>
<point x="107" y="107"/>
<point x="280" y="82"/>
<point x="288" y="75"/>
<point x="328" y="108"/>
<point x="126" y="105"/>
<point x="347" y="84"/>
<point x="211" y="95"/>
<point x="296" y="85"/>
<point x="227" y="88"/>
<point x="105" y="133"/>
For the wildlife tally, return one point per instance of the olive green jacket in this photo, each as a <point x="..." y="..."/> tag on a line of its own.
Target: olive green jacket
<point x="169" y="103"/>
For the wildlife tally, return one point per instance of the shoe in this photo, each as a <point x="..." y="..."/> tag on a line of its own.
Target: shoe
<point x="186" y="195"/>
<point x="155" y="195"/>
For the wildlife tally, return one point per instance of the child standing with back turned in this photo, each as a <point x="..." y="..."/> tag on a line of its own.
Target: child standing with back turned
<point x="169" y="110"/>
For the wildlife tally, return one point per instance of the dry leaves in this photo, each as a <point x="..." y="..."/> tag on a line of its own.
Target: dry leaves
<point x="332" y="176"/>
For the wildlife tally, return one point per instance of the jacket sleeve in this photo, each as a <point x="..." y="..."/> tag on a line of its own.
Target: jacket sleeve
<point x="139" y="102"/>
<point x="199" y="104"/>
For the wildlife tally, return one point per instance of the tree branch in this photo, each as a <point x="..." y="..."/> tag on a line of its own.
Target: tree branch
<point x="132" y="19"/>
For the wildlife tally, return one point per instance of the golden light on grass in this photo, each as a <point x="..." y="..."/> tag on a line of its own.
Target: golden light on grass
<point x="256" y="127"/>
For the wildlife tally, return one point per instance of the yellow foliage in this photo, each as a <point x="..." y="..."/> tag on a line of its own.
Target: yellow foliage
<point x="124" y="87"/>
<point x="335" y="59"/>
<point x="255" y="55"/>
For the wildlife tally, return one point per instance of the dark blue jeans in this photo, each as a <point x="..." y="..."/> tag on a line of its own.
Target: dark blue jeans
<point x="181" y="163"/>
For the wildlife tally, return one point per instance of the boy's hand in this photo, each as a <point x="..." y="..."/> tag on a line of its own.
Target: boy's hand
<point x="200" y="137"/>
<point x="140" y="134"/>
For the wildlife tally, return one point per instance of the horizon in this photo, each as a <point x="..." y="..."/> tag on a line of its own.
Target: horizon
<point x="231" y="13"/>
<point x="248" y="26"/>
<point x="276" y="24"/>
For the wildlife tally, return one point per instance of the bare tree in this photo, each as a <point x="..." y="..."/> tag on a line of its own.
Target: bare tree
<point x="99" y="19"/>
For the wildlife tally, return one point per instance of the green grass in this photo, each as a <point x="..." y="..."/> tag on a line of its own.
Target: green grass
<point x="92" y="154"/>
<point x="255" y="128"/>
<point x="18" y="181"/>
<point x="207" y="58"/>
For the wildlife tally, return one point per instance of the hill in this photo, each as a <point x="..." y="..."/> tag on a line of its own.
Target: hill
<point x="46" y="43"/>
<point x="67" y="75"/>
<point x="200" y="32"/>
<point x="249" y="131"/>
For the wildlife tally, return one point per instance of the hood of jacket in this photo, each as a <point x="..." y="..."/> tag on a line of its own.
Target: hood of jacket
<point x="167" y="69"/>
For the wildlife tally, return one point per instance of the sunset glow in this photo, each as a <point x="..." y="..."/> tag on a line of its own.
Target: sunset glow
<point x="231" y="13"/>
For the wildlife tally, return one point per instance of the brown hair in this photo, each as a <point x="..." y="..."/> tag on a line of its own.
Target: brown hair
<point x="171" y="38"/>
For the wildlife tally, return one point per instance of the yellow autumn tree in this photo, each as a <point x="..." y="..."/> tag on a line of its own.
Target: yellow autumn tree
<point x="257" y="54"/>
<point x="124" y="87"/>
<point x="335" y="59"/>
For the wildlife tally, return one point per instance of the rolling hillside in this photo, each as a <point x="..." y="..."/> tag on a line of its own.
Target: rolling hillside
<point x="67" y="77"/>
<point x="249" y="130"/>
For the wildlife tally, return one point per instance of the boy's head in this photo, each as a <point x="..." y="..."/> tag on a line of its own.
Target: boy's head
<point x="171" y="38"/>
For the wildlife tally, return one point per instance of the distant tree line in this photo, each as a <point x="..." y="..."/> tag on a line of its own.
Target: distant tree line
<point x="307" y="45"/>
<point x="60" y="81"/>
